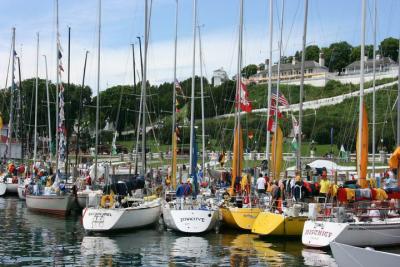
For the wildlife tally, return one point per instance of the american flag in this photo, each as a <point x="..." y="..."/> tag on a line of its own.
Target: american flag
<point x="178" y="88"/>
<point x="281" y="99"/>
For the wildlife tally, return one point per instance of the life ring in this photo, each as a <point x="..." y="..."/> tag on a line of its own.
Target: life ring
<point x="107" y="201"/>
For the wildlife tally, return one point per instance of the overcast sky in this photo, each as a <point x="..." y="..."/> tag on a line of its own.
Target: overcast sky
<point x="122" y="20"/>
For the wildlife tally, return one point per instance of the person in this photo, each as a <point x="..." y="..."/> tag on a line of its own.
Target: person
<point x="187" y="188"/>
<point x="180" y="191"/>
<point x="324" y="186"/>
<point x="261" y="184"/>
<point x="390" y="181"/>
<point x="374" y="213"/>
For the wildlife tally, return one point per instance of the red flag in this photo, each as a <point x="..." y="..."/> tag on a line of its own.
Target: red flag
<point x="273" y="108"/>
<point x="245" y="104"/>
<point x="271" y="125"/>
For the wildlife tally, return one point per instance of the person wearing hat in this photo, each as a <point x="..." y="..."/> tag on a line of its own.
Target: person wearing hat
<point x="324" y="186"/>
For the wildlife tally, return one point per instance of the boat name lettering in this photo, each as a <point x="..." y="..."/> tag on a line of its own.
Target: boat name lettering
<point x="318" y="233"/>
<point x="192" y="219"/>
<point x="99" y="214"/>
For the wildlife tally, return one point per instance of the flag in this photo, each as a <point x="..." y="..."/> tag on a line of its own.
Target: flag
<point x="293" y="144"/>
<point x="1" y="122"/>
<point x="281" y="99"/>
<point x="273" y="108"/>
<point x="61" y="67"/>
<point x="178" y="88"/>
<point x="15" y="53"/>
<point x="114" y="146"/>
<point x="193" y="164"/>
<point x="295" y="125"/>
<point x="271" y="125"/>
<point x="243" y="99"/>
<point x="59" y="54"/>
<point x="250" y="135"/>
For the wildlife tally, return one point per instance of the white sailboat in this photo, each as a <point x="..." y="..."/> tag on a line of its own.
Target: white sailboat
<point x="349" y="256"/>
<point x="356" y="230"/>
<point x="112" y="214"/>
<point x="52" y="199"/>
<point x="188" y="215"/>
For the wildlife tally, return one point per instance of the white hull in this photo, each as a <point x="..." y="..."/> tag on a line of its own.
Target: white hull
<point x="12" y="188"/>
<point x="52" y="204"/>
<point x="349" y="256"/>
<point x="381" y="233"/>
<point x="21" y="192"/>
<point x="102" y="219"/>
<point x="3" y="189"/>
<point x="190" y="220"/>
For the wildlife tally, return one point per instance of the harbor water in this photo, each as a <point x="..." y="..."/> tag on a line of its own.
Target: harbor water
<point x="31" y="239"/>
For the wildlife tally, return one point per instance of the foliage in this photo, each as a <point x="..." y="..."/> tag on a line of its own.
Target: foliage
<point x="249" y="70"/>
<point x="389" y="47"/>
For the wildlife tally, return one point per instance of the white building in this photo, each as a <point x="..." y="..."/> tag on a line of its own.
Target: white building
<point x="219" y="76"/>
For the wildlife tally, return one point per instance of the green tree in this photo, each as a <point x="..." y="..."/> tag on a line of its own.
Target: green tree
<point x="356" y="52"/>
<point x="312" y="52"/>
<point x="389" y="48"/>
<point x="249" y="70"/>
<point x="339" y="56"/>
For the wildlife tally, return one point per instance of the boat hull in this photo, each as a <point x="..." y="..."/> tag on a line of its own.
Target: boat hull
<point x="51" y="204"/>
<point x="3" y="189"/>
<point x="190" y="220"/>
<point x="102" y="219"/>
<point x="21" y="192"/>
<point x="268" y="223"/>
<point x="349" y="256"/>
<point x="239" y="218"/>
<point x="12" y="188"/>
<point x="375" y="234"/>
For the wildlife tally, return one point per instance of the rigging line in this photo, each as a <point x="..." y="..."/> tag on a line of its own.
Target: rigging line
<point x="4" y="105"/>
<point x="291" y="27"/>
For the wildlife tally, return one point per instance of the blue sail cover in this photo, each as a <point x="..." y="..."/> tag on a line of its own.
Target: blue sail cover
<point x="193" y="166"/>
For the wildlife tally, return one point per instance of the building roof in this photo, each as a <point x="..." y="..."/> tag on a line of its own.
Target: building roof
<point x="369" y="63"/>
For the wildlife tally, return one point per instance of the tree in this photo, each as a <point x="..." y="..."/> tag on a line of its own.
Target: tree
<point x="312" y="52"/>
<point x="249" y="70"/>
<point x="339" y="56"/>
<point x="389" y="48"/>
<point x="356" y="52"/>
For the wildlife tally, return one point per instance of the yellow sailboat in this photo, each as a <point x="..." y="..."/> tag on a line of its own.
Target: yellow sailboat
<point x="278" y="224"/>
<point x="234" y="216"/>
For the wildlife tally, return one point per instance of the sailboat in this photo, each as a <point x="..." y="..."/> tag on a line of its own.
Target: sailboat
<point x="291" y="221"/>
<point x="123" y="212"/>
<point x="8" y="182"/>
<point x="235" y="214"/>
<point x="186" y="215"/>
<point x="54" y="199"/>
<point x="354" y="230"/>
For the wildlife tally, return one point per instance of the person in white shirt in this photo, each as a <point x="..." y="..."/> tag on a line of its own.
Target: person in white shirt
<point x="261" y="184"/>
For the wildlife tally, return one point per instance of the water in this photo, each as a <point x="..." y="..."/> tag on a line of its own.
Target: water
<point x="38" y="240"/>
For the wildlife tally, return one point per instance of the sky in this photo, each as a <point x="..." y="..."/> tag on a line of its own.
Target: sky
<point x="123" y="20"/>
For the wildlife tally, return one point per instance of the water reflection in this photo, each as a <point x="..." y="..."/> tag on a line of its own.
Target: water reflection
<point x="38" y="240"/>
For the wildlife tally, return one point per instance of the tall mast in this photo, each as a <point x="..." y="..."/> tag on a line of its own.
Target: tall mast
<point x="144" y="79"/>
<point x="271" y="23"/>
<point x="98" y="92"/>
<point x="80" y="111"/>
<point x="10" y="122"/>
<point x="203" y="132"/>
<point x="134" y="67"/>
<point x="303" y="57"/>
<point x="21" y="112"/>
<point x="279" y="75"/>
<point x="140" y="107"/>
<point x="57" y="85"/>
<point x="173" y="160"/>
<point x="374" y="96"/>
<point x="36" y="99"/>
<point x="361" y="87"/>
<point x="48" y="106"/>
<point x="192" y="139"/>
<point x="65" y="113"/>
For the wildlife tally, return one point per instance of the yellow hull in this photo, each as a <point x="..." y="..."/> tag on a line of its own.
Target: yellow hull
<point x="240" y="218"/>
<point x="268" y="223"/>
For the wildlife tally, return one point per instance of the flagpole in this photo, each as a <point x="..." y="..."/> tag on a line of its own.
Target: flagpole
<point x="303" y="57"/>
<point x="192" y="138"/>
<point x="57" y="85"/>
<point x="277" y="85"/>
<point x="268" y="143"/>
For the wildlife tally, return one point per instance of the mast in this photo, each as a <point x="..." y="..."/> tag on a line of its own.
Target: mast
<point x="98" y="92"/>
<point x="48" y="106"/>
<point x="303" y="57"/>
<point x="360" y="130"/>
<point x="271" y="23"/>
<point x="144" y="70"/>
<point x="65" y="114"/>
<point x="279" y="77"/>
<point x="140" y="108"/>
<point x="192" y="138"/>
<point x="374" y="96"/>
<point x="173" y="160"/>
<point x="203" y="132"/>
<point x="57" y="85"/>
<point x="10" y="122"/>
<point x="398" y="104"/>
<point x="134" y="67"/>
<point x="80" y="111"/>
<point x="21" y="112"/>
<point x="36" y="99"/>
